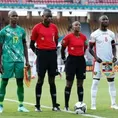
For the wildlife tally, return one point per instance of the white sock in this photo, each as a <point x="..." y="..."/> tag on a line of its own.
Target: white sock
<point x="112" y="92"/>
<point x="94" y="89"/>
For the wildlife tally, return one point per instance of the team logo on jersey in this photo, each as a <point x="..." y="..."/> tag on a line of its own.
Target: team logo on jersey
<point x="42" y="38"/>
<point x="15" y="39"/>
<point x="72" y="48"/>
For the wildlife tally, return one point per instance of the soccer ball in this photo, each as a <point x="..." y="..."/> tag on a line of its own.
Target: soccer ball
<point x="80" y="108"/>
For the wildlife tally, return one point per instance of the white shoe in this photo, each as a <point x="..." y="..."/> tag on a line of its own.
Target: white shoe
<point x="22" y="109"/>
<point x="93" y="107"/>
<point x="1" y="108"/>
<point x="115" y="106"/>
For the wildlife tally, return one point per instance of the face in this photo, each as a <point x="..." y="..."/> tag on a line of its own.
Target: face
<point x="47" y="17"/>
<point x="104" y="21"/>
<point x="76" y="26"/>
<point x="13" y="16"/>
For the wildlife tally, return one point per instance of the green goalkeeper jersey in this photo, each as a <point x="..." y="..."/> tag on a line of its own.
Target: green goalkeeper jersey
<point x="12" y="40"/>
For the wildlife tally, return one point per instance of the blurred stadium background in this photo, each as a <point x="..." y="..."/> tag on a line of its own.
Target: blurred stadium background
<point x="64" y="12"/>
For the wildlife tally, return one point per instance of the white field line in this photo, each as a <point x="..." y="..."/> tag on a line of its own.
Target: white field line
<point x="31" y="104"/>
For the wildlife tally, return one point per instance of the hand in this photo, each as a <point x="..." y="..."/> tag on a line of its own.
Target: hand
<point x="64" y="60"/>
<point x="28" y="65"/>
<point x="98" y="60"/>
<point x="114" y="59"/>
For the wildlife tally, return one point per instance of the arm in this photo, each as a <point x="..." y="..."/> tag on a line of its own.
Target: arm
<point x="1" y="58"/>
<point x="114" y="50"/>
<point x="91" y="45"/>
<point x="25" y="52"/>
<point x="63" y="52"/>
<point x="85" y="45"/>
<point x="32" y="46"/>
<point x="56" y="36"/>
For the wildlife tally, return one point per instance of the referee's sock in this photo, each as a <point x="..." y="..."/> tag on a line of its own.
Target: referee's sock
<point x="80" y="92"/>
<point x="67" y="96"/>
<point x="53" y="94"/>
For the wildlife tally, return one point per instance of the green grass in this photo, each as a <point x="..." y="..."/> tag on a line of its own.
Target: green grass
<point x="103" y="100"/>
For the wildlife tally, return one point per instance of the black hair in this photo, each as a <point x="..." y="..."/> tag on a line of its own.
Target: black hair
<point x="46" y="10"/>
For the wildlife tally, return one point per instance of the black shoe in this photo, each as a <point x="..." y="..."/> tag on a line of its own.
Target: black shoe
<point x="56" y="107"/>
<point x="66" y="109"/>
<point x="37" y="108"/>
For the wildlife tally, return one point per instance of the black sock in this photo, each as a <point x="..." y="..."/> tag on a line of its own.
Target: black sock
<point x="53" y="94"/>
<point x="38" y="91"/>
<point x="67" y="96"/>
<point x="80" y="93"/>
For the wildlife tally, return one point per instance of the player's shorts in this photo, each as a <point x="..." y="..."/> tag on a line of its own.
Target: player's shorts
<point x="46" y="61"/>
<point x="97" y="71"/>
<point x="75" y="65"/>
<point x="13" y="69"/>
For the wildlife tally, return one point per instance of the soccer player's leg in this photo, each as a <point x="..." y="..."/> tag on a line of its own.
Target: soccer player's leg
<point x="80" y="75"/>
<point x="8" y="73"/>
<point x="52" y="70"/>
<point x="112" y="91"/>
<point x="70" y="70"/>
<point x="4" y="83"/>
<point x="67" y="91"/>
<point x="94" y="87"/>
<point x="18" y="70"/>
<point x="41" y="66"/>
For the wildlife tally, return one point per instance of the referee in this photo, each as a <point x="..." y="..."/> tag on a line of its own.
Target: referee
<point x="45" y="35"/>
<point x="75" y="64"/>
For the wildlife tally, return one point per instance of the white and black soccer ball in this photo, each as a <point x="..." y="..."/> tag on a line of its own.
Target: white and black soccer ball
<point x="80" y="108"/>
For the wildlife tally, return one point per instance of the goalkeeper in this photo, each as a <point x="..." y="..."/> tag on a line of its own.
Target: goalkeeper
<point x="12" y="51"/>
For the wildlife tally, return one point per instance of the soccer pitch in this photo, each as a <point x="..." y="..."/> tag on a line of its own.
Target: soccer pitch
<point x="103" y="100"/>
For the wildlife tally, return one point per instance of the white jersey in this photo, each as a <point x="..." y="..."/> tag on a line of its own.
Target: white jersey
<point x="103" y="47"/>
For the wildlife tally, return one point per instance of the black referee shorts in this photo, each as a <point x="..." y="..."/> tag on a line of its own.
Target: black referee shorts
<point x="46" y="61"/>
<point x="75" y="65"/>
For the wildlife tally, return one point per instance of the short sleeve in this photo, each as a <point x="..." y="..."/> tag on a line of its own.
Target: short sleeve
<point x="65" y="41"/>
<point x="2" y="36"/>
<point x="92" y="38"/>
<point x="34" y="33"/>
<point x="56" y="33"/>
<point x="113" y="37"/>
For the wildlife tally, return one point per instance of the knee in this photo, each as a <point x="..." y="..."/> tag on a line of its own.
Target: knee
<point x="80" y="83"/>
<point x="4" y="82"/>
<point x="69" y="84"/>
<point x="40" y="81"/>
<point x="51" y="80"/>
<point x="19" y="82"/>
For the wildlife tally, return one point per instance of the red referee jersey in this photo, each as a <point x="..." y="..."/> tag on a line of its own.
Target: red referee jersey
<point x="76" y="45"/>
<point x="45" y="37"/>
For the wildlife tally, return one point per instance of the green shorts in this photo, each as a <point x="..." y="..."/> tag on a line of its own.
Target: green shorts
<point x="13" y="69"/>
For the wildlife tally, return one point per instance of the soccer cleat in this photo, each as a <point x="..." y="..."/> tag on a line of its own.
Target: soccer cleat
<point x="56" y="107"/>
<point x="1" y="108"/>
<point x="37" y="108"/>
<point x="114" y="106"/>
<point x="66" y="109"/>
<point x="22" y="109"/>
<point x="93" y="107"/>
